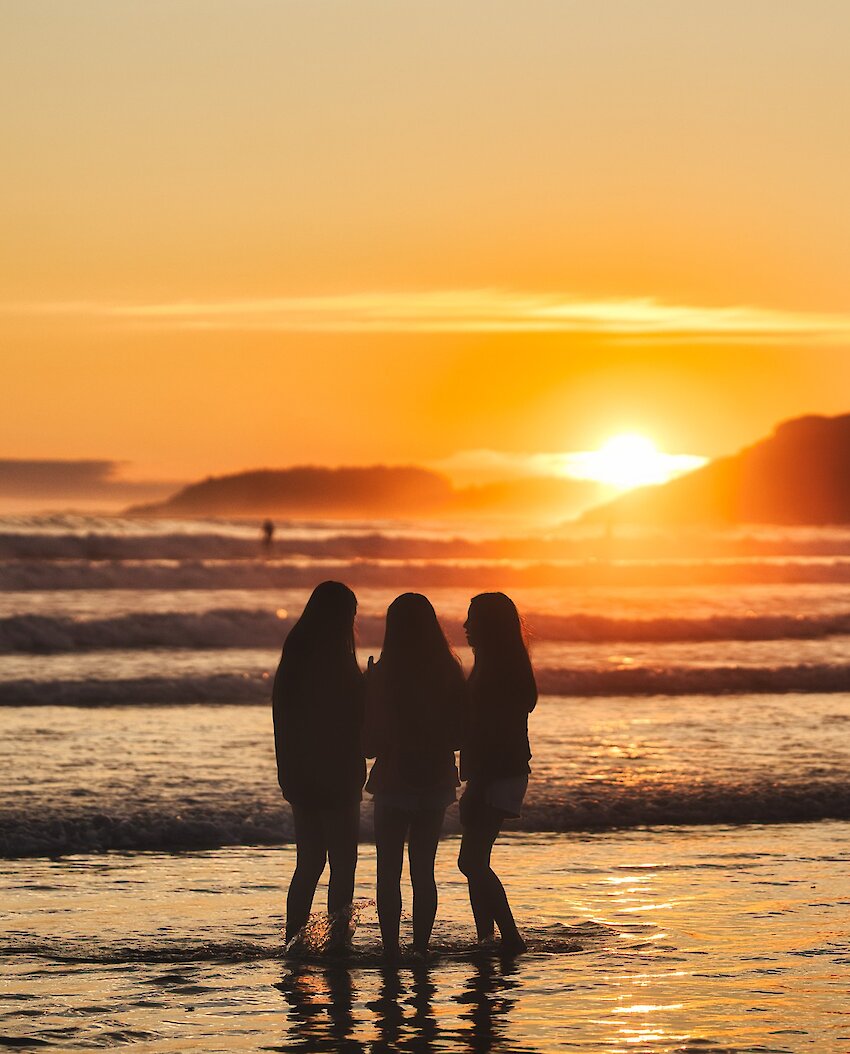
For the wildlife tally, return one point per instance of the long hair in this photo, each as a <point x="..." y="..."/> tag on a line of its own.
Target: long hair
<point x="323" y="637"/>
<point x="415" y="653"/>
<point x="501" y="644"/>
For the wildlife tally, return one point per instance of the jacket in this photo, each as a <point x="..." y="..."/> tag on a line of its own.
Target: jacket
<point x="318" y="719"/>
<point x="413" y="738"/>
<point x="495" y="741"/>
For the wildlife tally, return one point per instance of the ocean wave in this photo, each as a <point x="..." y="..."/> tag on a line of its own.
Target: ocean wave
<point x="138" y="691"/>
<point x="377" y="545"/>
<point x="45" y="575"/>
<point x="584" y="806"/>
<point x="199" y="827"/>
<point x="245" y="628"/>
<point x="683" y="680"/>
<point x="803" y="678"/>
<point x="227" y="628"/>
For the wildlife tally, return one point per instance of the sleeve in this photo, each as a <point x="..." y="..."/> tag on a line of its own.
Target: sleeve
<point x="280" y="730"/>
<point x="290" y="733"/>
<point x="531" y="690"/>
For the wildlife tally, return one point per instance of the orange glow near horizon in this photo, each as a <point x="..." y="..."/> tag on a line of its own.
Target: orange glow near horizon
<point x="323" y="235"/>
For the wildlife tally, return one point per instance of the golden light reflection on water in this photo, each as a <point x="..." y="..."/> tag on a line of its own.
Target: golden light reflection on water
<point x="643" y="1036"/>
<point x="645" y="907"/>
<point x="185" y="947"/>
<point x="646" y="1008"/>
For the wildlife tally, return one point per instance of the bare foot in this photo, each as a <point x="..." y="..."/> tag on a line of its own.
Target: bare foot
<point x="509" y="947"/>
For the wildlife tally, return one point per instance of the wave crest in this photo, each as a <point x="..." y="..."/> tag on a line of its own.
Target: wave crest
<point x="244" y="628"/>
<point x="551" y="807"/>
<point x="42" y="575"/>
<point x="256" y="688"/>
<point x="376" y="545"/>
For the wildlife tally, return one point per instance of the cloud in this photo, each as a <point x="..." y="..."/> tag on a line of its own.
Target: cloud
<point x="456" y="311"/>
<point x="492" y="465"/>
<point x="56" y="479"/>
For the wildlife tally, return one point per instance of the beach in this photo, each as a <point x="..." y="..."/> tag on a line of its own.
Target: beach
<point x="679" y="869"/>
<point x="546" y="300"/>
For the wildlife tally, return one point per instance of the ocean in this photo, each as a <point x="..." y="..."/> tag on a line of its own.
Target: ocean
<point x="680" y="868"/>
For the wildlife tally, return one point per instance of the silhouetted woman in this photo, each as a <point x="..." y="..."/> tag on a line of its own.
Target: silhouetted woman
<point x="318" y="720"/>
<point x="501" y="693"/>
<point x="414" y="708"/>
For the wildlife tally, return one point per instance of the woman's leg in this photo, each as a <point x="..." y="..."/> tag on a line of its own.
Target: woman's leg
<point x="309" y="864"/>
<point x="342" y="828"/>
<point x="486" y="892"/>
<point x="390" y="831"/>
<point x="474" y="862"/>
<point x="425" y="830"/>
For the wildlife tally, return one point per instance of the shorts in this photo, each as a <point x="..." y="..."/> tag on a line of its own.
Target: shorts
<point x="499" y="800"/>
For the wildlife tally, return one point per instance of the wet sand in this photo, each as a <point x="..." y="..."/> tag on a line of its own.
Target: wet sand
<point x="666" y="939"/>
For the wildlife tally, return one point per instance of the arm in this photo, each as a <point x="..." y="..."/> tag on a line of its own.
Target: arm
<point x="280" y="723"/>
<point x="293" y="730"/>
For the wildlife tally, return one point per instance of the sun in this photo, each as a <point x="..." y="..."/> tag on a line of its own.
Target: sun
<point x="630" y="460"/>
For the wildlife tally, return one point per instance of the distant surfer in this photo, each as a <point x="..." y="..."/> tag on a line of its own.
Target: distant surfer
<point x="268" y="534"/>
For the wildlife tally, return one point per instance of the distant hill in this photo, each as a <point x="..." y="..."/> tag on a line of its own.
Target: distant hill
<point x="379" y="490"/>
<point x="798" y="475"/>
<point x="309" y="490"/>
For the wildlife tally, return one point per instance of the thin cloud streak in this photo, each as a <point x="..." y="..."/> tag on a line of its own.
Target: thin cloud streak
<point x="454" y="311"/>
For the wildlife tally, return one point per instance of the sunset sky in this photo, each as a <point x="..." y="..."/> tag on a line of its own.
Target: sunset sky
<point x="268" y="233"/>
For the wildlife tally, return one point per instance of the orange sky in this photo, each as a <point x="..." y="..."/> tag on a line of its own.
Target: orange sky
<point x="267" y="233"/>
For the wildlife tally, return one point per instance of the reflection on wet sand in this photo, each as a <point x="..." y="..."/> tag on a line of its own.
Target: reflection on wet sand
<point x="326" y="1012"/>
<point x="321" y="1017"/>
<point x="490" y="994"/>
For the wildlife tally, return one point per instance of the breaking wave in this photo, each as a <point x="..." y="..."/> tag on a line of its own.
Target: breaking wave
<point x="550" y="807"/>
<point x="684" y="680"/>
<point x="139" y="691"/>
<point x="376" y="545"/>
<point x="240" y="628"/>
<point x="256" y="687"/>
<point x="29" y="575"/>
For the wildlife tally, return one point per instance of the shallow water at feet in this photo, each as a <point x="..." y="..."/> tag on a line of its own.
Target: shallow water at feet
<point x="713" y="939"/>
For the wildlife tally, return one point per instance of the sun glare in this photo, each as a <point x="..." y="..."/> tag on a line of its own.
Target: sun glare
<point x="630" y="460"/>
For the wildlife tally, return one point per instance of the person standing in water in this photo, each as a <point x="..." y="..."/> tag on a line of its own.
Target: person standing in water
<point x="318" y="718"/>
<point x="494" y="755"/>
<point x="414" y="707"/>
